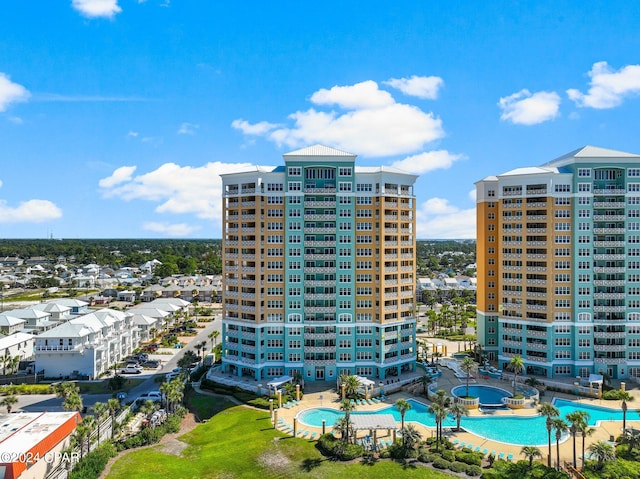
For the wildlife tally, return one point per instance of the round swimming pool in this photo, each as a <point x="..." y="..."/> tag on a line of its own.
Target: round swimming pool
<point x="490" y="396"/>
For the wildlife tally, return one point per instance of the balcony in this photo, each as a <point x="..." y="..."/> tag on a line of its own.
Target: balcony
<point x="609" y="309"/>
<point x="312" y="190"/>
<point x="609" y="231"/>
<point x="609" y="244"/>
<point x="611" y="282"/>
<point x="609" y="205"/>
<point x="605" y="335"/>
<point x="610" y="360"/>
<point x="609" y="192"/>
<point x="609" y="347"/>
<point x="319" y="217"/>
<point x="609" y="269"/>
<point x="608" y="217"/>
<point x="536" y="243"/>
<point x="609" y="295"/>
<point x="609" y="257"/>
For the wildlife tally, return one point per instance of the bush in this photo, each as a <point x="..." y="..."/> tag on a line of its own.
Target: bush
<point x="458" y="466"/>
<point x="614" y="395"/>
<point x="27" y="389"/>
<point x="427" y="457"/>
<point x="351" y="451"/>
<point x="385" y="454"/>
<point x="441" y="463"/>
<point x="262" y="403"/>
<point x="449" y="455"/>
<point x="92" y="465"/>
<point x="471" y="458"/>
<point x="473" y="471"/>
<point x="326" y="444"/>
<point x="196" y="375"/>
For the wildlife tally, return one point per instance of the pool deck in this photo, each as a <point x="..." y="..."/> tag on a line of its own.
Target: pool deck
<point x="448" y="380"/>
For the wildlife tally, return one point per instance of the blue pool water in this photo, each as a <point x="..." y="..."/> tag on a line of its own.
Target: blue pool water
<point x="489" y="395"/>
<point x="516" y="430"/>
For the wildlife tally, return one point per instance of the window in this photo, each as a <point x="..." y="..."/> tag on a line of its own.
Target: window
<point x="563" y="188"/>
<point x="491" y="193"/>
<point x="563" y="226"/>
<point x="295" y="171"/>
<point x="584" y="200"/>
<point x="345" y="171"/>
<point x="344" y="186"/>
<point x="562" y="201"/>
<point x="563" y="214"/>
<point x="364" y="187"/>
<point x="275" y="187"/>
<point x="563" y="239"/>
<point x="584" y="172"/>
<point x="584" y="187"/>
<point x="295" y="186"/>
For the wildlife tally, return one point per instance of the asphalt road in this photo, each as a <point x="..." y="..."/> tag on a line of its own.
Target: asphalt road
<point x="51" y="403"/>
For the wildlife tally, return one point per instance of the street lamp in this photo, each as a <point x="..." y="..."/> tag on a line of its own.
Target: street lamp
<point x="624" y="416"/>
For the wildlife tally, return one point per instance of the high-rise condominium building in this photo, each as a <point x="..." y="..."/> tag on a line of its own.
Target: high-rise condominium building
<point x="318" y="269"/>
<point x="559" y="265"/>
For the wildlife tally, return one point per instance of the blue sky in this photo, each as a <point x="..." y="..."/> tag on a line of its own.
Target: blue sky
<point x="117" y="116"/>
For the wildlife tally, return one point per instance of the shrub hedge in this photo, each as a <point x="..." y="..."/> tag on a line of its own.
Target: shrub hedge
<point x="92" y="465"/>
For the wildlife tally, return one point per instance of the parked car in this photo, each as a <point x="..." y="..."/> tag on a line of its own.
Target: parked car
<point x="173" y="375"/>
<point x="151" y="364"/>
<point x="150" y="348"/>
<point x="150" y="396"/>
<point x="131" y="368"/>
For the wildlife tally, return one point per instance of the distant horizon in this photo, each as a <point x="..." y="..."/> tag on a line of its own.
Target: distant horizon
<point x="458" y="240"/>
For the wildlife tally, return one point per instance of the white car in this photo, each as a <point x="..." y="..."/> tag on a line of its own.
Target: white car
<point x="150" y="396"/>
<point x="131" y="369"/>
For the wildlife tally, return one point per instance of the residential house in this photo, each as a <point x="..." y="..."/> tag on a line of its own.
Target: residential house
<point x="18" y="344"/>
<point x="10" y="324"/>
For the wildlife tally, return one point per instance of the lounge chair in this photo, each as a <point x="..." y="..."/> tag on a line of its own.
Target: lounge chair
<point x="485" y="451"/>
<point x="477" y="449"/>
<point x="313" y="435"/>
<point x="510" y="457"/>
<point x="305" y="434"/>
<point x="469" y="446"/>
<point x="455" y="442"/>
<point x="462" y="444"/>
<point x="501" y="455"/>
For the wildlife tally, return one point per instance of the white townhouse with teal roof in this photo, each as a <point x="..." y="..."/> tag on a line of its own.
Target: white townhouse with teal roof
<point x="319" y="269"/>
<point x="559" y="265"/>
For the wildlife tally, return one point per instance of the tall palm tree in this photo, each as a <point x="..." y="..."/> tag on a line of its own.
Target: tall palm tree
<point x="530" y="452"/>
<point x="100" y="411"/>
<point x="439" y="413"/>
<point x="468" y="366"/>
<point x="402" y="406"/>
<point x="603" y="452"/>
<point x="89" y="422"/>
<point x="8" y="402"/>
<point x="560" y="427"/>
<point x="516" y="365"/>
<point x="550" y="412"/>
<point x="625" y="396"/>
<point x="576" y="419"/>
<point x="457" y="410"/>
<point x="347" y="406"/>
<point x="585" y="432"/>
<point x="351" y="385"/>
<point x="113" y="405"/>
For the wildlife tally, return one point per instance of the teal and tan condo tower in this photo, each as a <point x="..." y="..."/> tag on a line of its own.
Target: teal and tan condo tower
<point x="319" y="269"/>
<point x="559" y="265"/>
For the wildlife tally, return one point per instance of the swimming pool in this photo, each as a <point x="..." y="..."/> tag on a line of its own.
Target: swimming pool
<point x="516" y="430"/>
<point x="488" y="395"/>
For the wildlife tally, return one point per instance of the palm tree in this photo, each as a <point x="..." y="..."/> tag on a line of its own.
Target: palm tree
<point x="347" y="406"/>
<point x="425" y="380"/>
<point x="576" y="420"/>
<point x="73" y="402"/>
<point x="8" y="402"/>
<point x="530" y="452"/>
<point x="603" y="451"/>
<point x="439" y="413"/>
<point x="113" y="405"/>
<point x="467" y="366"/>
<point x="585" y="432"/>
<point x="625" y="396"/>
<point x="78" y="437"/>
<point x="410" y="436"/>
<point x="100" y="411"/>
<point x="213" y="335"/>
<point x="549" y="411"/>
<point x="89" y="422"/>
<point x="561" y="427"/>
<point x="343" y="426"/>
<point x="350" y="384"/>
<point x="516" y="365"/>
<point x="632" y="437"/>
<point x="457" y="410"/>
<point x="402" y="406"/>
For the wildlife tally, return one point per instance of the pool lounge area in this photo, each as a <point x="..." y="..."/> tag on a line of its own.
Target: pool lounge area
<point x="513" y="429"/>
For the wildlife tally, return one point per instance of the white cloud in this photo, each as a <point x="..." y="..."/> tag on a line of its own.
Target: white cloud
<point x="525" y="108"/>
<point x="178" y="230"/>
<point x="120" y="175"/>
<point x="11" y="92"/>
<point x="422" y="87"/>
<point x="133" y="134"/>
<point x="31" y="211"/>
<point x="188" y="129"/>
<point x="437" y="218"/>
<point x="177" y="189"/>
<point x="608" y="87"/>
<point x="97" y="8"/>
<point x="0" y="183"/>
<point x="374" y="125"/>
<point x="16" y="120"/>
<point x="427" y="161"/>
<point x="247" y="128"/>
<point x="354" y="97"/>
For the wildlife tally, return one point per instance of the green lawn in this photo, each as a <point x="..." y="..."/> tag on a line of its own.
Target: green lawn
<point x="239" y="442"/>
